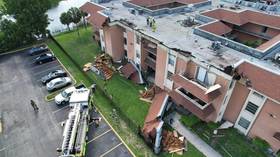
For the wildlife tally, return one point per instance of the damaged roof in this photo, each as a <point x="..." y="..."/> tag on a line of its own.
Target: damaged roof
<point x="171" y="33"/>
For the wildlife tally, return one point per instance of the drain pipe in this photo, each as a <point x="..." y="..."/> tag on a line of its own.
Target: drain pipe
<point x="158" y="138"/>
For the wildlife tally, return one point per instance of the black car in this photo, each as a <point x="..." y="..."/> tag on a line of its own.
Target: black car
<point x="44" y="58"/>
<point x="37" y="50"/>
<point x="52" y="75"/>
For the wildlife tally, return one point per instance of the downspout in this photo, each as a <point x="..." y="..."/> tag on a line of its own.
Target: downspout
<point x="158" y="138"/>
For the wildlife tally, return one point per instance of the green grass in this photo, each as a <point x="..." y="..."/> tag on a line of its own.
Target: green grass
<point x="53" y="2"/>
<point x="231" y="142"/>
<point x="125" y="93"/>
<point x="189" y="121"/>
<point x="84" y="49"/>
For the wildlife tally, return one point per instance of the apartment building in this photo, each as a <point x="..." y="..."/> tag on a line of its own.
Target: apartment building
<point x="200" y="58"/>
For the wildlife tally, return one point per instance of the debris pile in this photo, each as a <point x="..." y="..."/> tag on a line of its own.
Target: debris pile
<point x="149" y="94"/>
<point x="87" y="67"/>
<point x="103" y="63"/>
<point x="172" y="142"/>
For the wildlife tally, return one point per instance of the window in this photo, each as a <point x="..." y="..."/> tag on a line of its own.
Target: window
<point x="231" y="84"/>
<point x="258" y="95"/>
<point x="125" y="41"/>
<point x="244" y="123"/>
<point x="201" y="76"/>
<point x="264" y="29"/>
<point x="204" y="77"/>
<point x="251" y="107"/>
<point x="169" y="75"/>
<point x="138" y="39"/>
<point x="171" y="59"/>
<point x="125" y="53"/>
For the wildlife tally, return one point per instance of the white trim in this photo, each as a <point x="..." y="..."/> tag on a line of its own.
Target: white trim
<point x="258" y="65"/>
<point x="98" y="5"/>
<point x="163" y="106"/>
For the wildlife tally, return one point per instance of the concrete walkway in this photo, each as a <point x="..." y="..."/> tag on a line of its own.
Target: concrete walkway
<point x="203" y="147"/>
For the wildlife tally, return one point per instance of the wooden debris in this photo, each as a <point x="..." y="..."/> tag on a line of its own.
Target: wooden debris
<point x="150" y="93"/>
<point x="87" y="67"/>
<point x="103" y="63"/>
<point x="175" y="133"/>
<point x="146" y="100"/>
<point x="172" y="143"/>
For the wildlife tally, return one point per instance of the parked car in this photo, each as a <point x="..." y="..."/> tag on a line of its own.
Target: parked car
<point x="52" y="75"/>
<point x="44" y="58"/>
<point x="38" y="50"/>
<point x="63" y="97"/>
<point x="58" y="83"/>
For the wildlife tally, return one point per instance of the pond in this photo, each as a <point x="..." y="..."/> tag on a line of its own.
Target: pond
<point x="54" y="14"/>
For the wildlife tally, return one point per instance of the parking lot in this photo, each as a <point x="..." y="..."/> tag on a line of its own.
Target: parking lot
<point x="27" y="133"/>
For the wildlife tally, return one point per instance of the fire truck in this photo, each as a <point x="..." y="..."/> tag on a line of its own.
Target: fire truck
<point x="76" y="126"/>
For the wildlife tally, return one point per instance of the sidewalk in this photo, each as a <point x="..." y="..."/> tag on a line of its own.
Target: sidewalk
<point x="203" y="147"/>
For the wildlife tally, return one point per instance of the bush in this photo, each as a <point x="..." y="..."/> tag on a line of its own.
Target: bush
<point x="189" y="121"/>
<point x="261" y="144"/>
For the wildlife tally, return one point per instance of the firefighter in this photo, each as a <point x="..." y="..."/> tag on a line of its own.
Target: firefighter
<point x="34" y="105"/>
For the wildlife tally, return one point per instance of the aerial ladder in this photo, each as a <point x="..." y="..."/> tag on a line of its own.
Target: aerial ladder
<point x="76" y="126"/>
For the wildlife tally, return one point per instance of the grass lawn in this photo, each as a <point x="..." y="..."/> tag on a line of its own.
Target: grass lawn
<point x="53" y="2"/>
<point x="124" y="93"/>
<point x="230" y="144"/>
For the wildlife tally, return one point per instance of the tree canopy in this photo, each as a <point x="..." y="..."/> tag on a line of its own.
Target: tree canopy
<point x="66" y="19"/>
<point x="30" y="21"/>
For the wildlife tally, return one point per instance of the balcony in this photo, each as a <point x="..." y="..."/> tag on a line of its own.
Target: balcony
<point x="198" y="91"/>
<point x="150" y="62"/>
<point x="188" y="104"/>
<point x="194" y="97"/>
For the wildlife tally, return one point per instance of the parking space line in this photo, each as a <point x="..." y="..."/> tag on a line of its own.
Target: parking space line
<point x="48" y="69"/>
<point x="99" y="136"/>
<point x="60" y="109"/>
<point x="107" y="152"/>
<point x="41" y="65"/>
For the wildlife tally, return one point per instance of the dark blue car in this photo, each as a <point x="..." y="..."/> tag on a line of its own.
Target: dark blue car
<point x="44" y="58"/>
<point x="37" y="50"/>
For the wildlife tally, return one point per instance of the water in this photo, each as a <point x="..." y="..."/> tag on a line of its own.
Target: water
<point x="54" y="13"/>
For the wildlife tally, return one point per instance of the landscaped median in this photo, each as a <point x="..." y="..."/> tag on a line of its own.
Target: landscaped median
<point x="119" y="103"/>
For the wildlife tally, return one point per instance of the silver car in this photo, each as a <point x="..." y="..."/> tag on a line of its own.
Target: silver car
<point x="58" y="83"/>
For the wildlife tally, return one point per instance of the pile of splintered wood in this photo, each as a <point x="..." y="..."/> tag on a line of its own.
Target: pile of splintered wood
<point x="149" y="94"/>
<point x="172" y="142"/>
<point x="103" y="63"/>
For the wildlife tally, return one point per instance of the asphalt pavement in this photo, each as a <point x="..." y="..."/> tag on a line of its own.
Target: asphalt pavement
<point x="33" y="134"/>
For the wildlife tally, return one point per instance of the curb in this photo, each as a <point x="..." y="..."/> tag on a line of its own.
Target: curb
<point x="20" y="49"/>
<point x="74" y="83"/>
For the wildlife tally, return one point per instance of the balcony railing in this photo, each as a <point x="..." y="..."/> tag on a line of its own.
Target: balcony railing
<point x="206" y="95"/>
<point x="150" y="62"/>
<point x="151" y="50"/>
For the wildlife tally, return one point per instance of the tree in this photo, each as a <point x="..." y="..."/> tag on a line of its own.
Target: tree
<point x="76" y="16"/>
<point x="84" y="15"/>
<point x="30" y="19"/>
<point x="65" y="18"/>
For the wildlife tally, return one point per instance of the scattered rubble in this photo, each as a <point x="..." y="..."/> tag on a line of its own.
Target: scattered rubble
<point x="103" y="64"/>
<point x="172" y="142"/>
<point x="149" y="94"/>
<point x="87" y="67"/>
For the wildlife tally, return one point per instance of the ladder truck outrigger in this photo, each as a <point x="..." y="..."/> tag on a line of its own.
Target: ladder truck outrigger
<point x="76" y="126"/>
